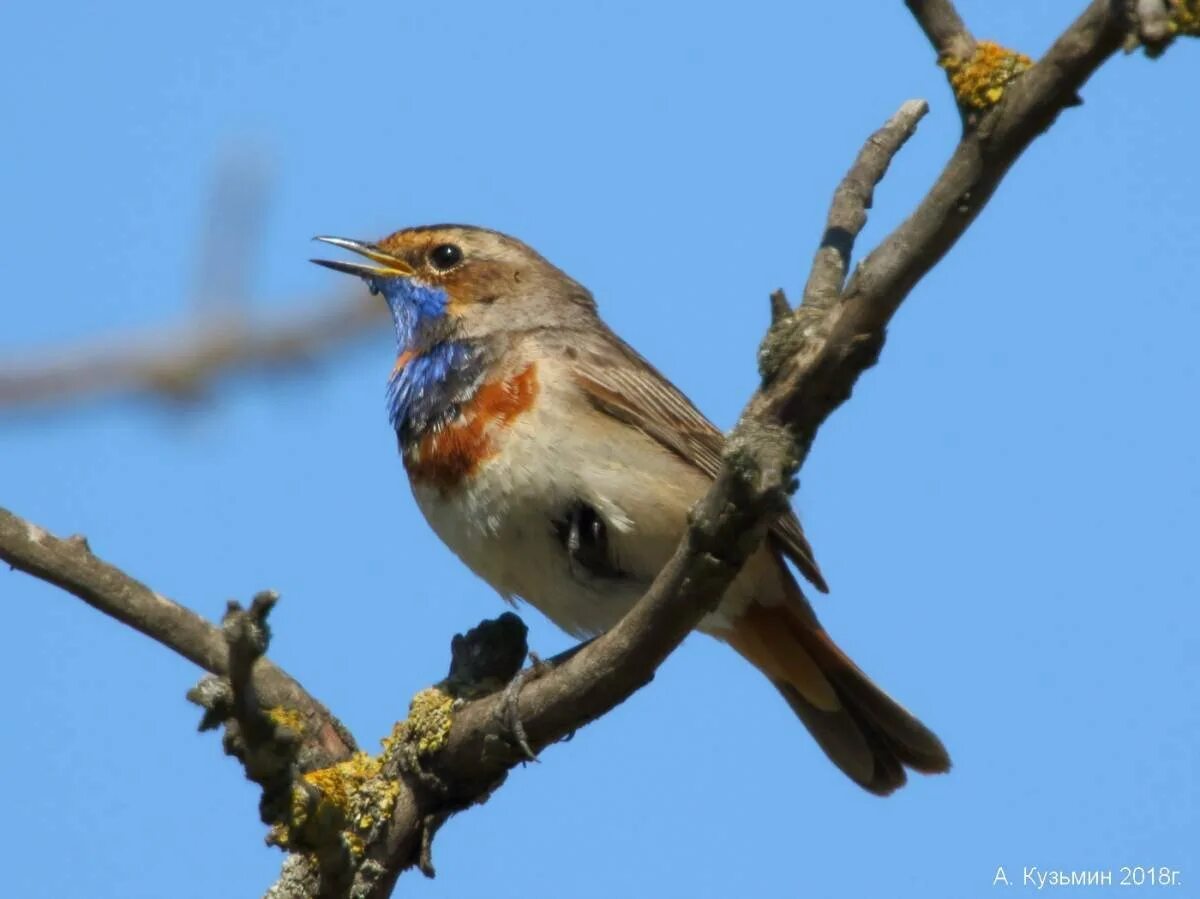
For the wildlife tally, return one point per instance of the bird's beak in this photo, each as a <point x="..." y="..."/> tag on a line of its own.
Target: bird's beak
<point x="389" y="266"/>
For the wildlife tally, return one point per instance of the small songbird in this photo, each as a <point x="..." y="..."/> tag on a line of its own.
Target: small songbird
<point x="559" y="465"/>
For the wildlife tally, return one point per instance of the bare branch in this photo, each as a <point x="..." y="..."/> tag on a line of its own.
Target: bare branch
<point x="232" y="234"/>
<point x="1153" y="20"/>
<point x="220" y="339"/>
<point x="851" y="201"/>
<point x="182" y="365"/>
<point x="71" y="565"/>
<point x="980" y="161"/>
<point x="780" y="307"/>
<point x="944" y="28"/>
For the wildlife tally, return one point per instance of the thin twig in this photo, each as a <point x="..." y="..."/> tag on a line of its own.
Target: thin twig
<point x="851" y="200"/>
<point x="221" y="338"/>
<point x="183" y="365"/>
<point x="944" y="27"/>
<point x="71" y="565"/>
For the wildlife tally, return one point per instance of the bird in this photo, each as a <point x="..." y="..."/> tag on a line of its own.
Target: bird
<point x="559" y="465"/>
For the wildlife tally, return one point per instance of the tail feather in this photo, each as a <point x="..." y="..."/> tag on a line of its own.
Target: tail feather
<point x="911" y="741"/>
<point x="865" y="732"/>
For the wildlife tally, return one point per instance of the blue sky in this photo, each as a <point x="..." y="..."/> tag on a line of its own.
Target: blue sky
<point x="1006" y="510"/>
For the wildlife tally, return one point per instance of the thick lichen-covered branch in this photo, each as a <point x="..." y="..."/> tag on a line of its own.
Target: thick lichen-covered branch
<point x="314" y="806"/>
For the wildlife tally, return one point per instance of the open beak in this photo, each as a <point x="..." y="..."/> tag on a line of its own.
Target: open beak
<point x="389" y="266"/>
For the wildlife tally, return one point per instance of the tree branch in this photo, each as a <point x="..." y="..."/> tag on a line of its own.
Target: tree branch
<point x="182" y="365"/>
<point x="851" y="200"/>
<point x="221" y="340"/>
<point x="944" y="27"/>
<point x="70" y="564"/>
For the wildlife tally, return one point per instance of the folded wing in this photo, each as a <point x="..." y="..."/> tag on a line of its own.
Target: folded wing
<point x="620" y="383"/>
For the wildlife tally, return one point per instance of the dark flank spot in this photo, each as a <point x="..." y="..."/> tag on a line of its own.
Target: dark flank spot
<point x="584" y="536"/>
<point x="571" y="353"/>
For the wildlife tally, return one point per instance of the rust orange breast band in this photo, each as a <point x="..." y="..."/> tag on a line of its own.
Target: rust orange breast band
<point x="443" y="458"/>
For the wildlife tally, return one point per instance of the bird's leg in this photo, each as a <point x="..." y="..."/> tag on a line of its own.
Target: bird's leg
<point x="511" y="699"/>
<point x="584" y="536"/>
<point x="510" y="705"/>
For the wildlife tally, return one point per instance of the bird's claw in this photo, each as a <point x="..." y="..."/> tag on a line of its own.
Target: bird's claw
<point x="511" y="702"/>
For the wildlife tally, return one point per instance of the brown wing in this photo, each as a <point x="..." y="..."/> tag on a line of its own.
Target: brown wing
<point x="622" y="384"/>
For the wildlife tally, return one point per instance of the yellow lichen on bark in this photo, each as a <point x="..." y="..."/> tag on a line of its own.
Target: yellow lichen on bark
<point x="352" y="796"/>
<point x="1185" y="17"/>
<point x="355" y="796"/>
<point x="339" y="783"/>
<point x="292" y="719"/>
<point x="427" y="727"/>
<point x="979" y="82"/>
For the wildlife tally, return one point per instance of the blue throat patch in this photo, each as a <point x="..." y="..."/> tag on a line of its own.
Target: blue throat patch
<point x="441" y="373"/>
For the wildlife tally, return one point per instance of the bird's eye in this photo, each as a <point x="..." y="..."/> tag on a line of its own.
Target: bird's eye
<point x="445" y="256"/>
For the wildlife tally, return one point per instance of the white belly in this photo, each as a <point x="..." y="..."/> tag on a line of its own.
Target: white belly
<point x="500" y="521"/>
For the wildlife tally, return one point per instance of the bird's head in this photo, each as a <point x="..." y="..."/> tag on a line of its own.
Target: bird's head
<point x="456" y="282"/>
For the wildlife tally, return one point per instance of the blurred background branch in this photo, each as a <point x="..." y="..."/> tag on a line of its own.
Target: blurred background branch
<point x="220" y="338"/>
